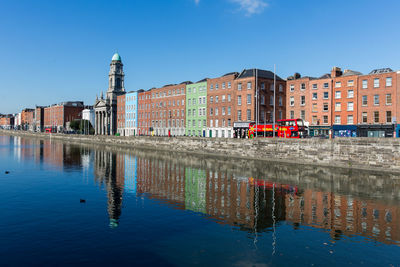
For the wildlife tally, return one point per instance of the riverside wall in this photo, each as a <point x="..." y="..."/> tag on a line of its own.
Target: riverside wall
<point x="378" y="154"/>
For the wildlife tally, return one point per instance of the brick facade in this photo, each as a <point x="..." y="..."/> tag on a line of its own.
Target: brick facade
<point x="121" y="114"/>
<point x="144" y="112"/>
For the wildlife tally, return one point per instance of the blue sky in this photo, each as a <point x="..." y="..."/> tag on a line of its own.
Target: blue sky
<point x="54" y="51"/>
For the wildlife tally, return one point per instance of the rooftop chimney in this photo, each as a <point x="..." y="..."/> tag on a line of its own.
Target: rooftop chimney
<point x="336" y="72"/>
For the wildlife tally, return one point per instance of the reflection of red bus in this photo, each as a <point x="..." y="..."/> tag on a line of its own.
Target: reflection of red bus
<point x="49" y="130"/>
<point x="284" y="188"/>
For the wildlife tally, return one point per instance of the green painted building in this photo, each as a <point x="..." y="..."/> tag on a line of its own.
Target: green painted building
<point x="195" y="189"/>
<point x="196" y="109"/>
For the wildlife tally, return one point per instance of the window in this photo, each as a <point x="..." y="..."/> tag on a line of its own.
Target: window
<point x="350" y="83"/>
<point x="223" y="111"/>
<point x="249" y="115"/>
<point x="216" y="111"/>
<point x="211" y="111"/>
<point x="326" y="107"/>
<point x="211" y="100"/>
<point x="239" y="87"/>
<point x="211" y="87"/>
<point x="376" y="116"/>
<point x="292" y="101"/>
<point x="326" y="85"/>
<point x="262" y="86"/>
<point x="364" y="100"/>
<point x="248" y="85"/>
<point x="292" y="88"/>
<point x="338" y="84"/>
<point x="262" y="100"/>
<point x="350" y="93"/>
<point x="388" y="99"/>
<point x="338" y="94"/>
<point x="314" y="120"/>
<point x="223" y="85"/>
<point x="314" y="86"/>
<point x="389" y="116"/>
<point x="314" y="96"/>
<point x="229" y="84"/>
<point x="216" y="86"/>
<point x="280" y="88"/>
<point x="314" y="107"/>
<point x="229" y="98"/>
<point x="349" y="119"/>
<point x="302" y="100"/>
<point x="326" y="95"/>
<point x="338" y="106"/>
<point x="239" y="100"/>
<point x="303" y="114"/>
<point x="388" y="81"/>
<point x="376" y="100"/>
<point x="364" y="117"/>
<point x="280" y="101"/>
<point x="364" y="84"/>
<point x="271" y="100"/>
<point x="239" y="115"/>
<point x="292" y="114"/>
<point x="223" y="98"/>
<point x="325" y="119"/>
<point x="350" y="106"/>
<point x="376" y="83"/>
<point x="303" y="86"/>
<point x="229" y="110"/>
<point x="216" y="99"/>
<point x="337" y="119"/>
<point x="271" y="87"/>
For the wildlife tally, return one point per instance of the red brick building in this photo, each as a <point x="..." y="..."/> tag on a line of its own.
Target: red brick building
<point x="6" y="121"/>
<point x="27" y="116"/>
<point x="221" y="105"/>
<point x="144" y="112"/>
<point x="57" y="116"/>
<point x="168" y="110"/>
<point x="121" y="114"/>
<point x="246" y="101"/>
<point x="377" y="102"/>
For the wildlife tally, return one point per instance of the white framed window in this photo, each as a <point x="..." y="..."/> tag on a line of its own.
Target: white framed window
<point x="303" y="86"/>
<point x="338" y="84"/>
<point x="314" y="96"/>
<point x="338" y="106"/>
<point x="302" y="100"/>
<point x="388" y="99"/>
<point x="350" y="83"/>
<point x="364" y="84"/>
<point x="364" y="100"/>
<point x="326" y="95"/>
<point x="291" y="88"/>
<point x="376" y="83"/>
<point x="350" y="94"/>
<point x="291" y="114"/>
<point x="350" y="106"/>
<point x="239" y="87"/>
<point x="239" y="100"/>
<point x="291" y="101"/>
<point x="248" y="85"/>
<point x="229" y="84"/>
<point x="338" y="94"/>
<point x="376" y="100"/>
<point x="248" y="99"/>
<point x="388" y="81"/>
<point x="350" y="119"/>
<point x="326" y="85"/>
<point x="280" y="88"/>
<point x="337" y="119"/>
<point x="314" y="86"/>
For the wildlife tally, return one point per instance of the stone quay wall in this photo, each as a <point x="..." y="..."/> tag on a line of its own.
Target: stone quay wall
<point x="379" y="154"/>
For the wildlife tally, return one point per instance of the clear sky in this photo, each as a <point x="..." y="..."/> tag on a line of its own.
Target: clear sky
<point x="59" y="50"/>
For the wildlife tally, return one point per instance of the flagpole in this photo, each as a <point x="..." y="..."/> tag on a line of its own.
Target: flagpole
<point x="274" y="99"/>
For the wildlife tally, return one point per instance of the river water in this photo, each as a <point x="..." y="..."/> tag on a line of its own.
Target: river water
<point x="65" y="204"/>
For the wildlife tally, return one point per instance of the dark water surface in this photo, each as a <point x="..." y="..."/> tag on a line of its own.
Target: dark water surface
<point x="158" y="208"/>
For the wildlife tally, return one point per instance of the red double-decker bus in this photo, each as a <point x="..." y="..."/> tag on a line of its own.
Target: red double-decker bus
<point x="293" y="128"/>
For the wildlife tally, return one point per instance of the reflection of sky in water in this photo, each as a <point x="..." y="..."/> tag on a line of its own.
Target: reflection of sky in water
<point x="153" y="208"/>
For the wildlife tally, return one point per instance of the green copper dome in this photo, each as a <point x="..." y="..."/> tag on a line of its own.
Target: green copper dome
<point x="116" y="57"/>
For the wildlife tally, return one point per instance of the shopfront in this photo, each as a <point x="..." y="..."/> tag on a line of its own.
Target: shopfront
<point x="378" y="130"/>
<point x="344" y="131"/>
<point x="319" y="131"/>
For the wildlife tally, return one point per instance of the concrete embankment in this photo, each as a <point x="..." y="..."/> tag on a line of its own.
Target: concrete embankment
<point x="377" y="154"/>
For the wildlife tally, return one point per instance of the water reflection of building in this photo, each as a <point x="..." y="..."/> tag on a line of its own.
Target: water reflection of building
<point x="130" y="173"/>
<point x="344" y="215"/>
<point x="109" y="171"/>
<point x="195" y="189"/>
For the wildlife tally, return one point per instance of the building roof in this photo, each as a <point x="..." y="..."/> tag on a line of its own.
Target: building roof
<point x="116" y="57"/>
<point x="231" y="73"/>
<point x="203" y="80"/>
<point x="379" y="71"/>
<point x="350" y="73"/>
<point x="261" y="74"/>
